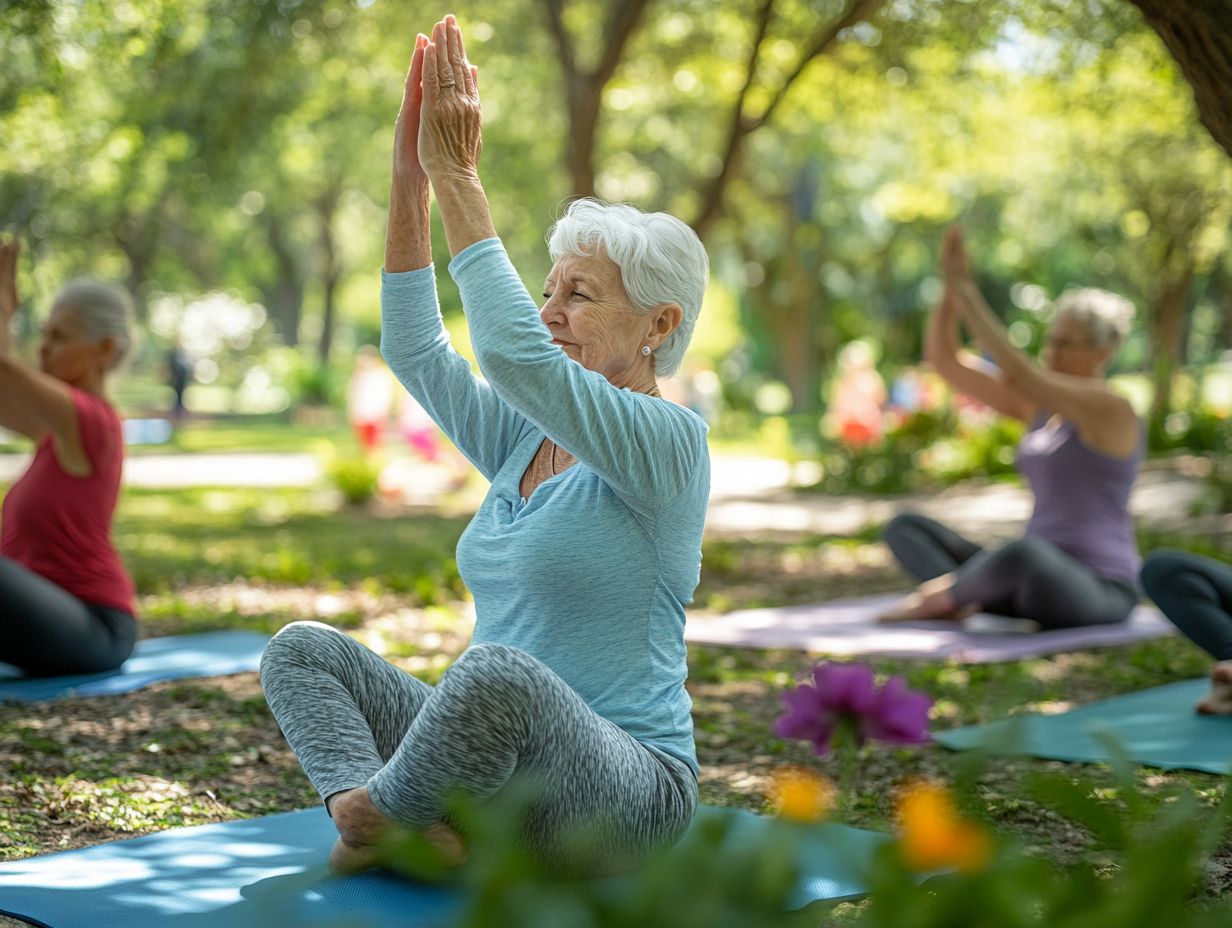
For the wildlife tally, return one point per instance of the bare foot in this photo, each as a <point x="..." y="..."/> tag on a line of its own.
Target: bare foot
<point x="450" y="845"/>
<point x="1219" y="700"/>
<point x="346" y="859"/>
<point x="362" y="827"/>
<point x="931" y="600"/>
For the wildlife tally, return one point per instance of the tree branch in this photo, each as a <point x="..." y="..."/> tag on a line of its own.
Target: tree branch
<point x="564" y="49"/>
<point x="741" y="124"/>
<point x="858" y="11"/>
<point x="620" y="28"/>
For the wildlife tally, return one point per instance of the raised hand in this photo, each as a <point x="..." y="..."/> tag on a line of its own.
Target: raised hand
<point x="406" y="130"/>
<point x="955" y="265"/>
<point x="451" y="122"/>
<point x="10" y="249"/>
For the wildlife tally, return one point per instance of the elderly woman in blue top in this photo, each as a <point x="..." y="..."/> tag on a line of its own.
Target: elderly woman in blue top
<point x="582" y="555"/>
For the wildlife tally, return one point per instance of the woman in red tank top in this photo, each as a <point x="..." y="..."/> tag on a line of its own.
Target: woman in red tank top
<point x="66" y="602"/>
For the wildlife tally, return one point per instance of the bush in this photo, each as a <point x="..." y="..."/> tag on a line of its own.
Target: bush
<point x="927" y="450"/>
<point x="356" y="477"/>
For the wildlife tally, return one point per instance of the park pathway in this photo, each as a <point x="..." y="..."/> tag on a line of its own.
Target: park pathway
<point x="749" y="495"/>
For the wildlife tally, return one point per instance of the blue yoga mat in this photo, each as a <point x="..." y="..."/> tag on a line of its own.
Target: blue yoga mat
<point x="271" y="871"/>
<point x="1157" y="727"/>
<point x="209" y="654"/>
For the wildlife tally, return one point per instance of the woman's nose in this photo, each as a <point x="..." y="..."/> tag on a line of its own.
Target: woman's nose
<point x="550" y="312"/>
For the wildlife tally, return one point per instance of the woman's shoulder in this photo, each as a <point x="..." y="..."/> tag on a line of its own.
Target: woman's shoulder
<point x="99" y="425"/>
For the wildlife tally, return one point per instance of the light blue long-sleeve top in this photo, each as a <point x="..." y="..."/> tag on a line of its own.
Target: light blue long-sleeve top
<point x="591" y="574"/>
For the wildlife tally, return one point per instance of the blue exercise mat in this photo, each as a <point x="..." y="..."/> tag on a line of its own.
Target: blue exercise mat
<point x="1156" y="727"/>
<point x="271" y="871"/>
<point x="209" y="654"/>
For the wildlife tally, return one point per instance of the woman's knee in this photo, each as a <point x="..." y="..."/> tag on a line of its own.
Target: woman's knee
<point x="1023" y="558"/>
<point x="489" y="665"/>
<point x="297" y="644"/>
<point x="1163" y="570"/>
<point x="904" y="521"/>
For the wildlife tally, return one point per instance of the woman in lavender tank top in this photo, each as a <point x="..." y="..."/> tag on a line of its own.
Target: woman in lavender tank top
<point x="1077" y="563"/>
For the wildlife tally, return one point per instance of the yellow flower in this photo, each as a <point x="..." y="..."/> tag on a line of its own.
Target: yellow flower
<point x="932" y="834"/>
<point x="802" y="795"/>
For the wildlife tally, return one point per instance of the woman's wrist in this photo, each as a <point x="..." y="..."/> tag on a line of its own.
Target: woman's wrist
<point x="408" y="239"/>
<point x="464" y="209"/>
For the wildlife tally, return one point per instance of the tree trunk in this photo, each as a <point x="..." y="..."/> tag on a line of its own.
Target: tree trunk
<point x="584" y="107"/>
<point x="1198" y="33"/>
<point x="584" y="86"/>
<point x="330" y="274"/>
<point x="1168" y="329"/>
<point x="284" y="295"/>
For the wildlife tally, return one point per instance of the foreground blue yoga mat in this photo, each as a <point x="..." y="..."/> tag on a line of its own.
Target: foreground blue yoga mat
<point x="271" y="872"/>
<point x="210" y="654"/>
<point x="1157" y="727"/>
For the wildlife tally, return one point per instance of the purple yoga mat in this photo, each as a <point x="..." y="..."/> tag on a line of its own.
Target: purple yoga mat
<point x="847" y="628"/>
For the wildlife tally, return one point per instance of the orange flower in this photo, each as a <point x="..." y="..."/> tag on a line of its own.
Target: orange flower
<point x="932" y="834"/>
<point x="801" y="795"/>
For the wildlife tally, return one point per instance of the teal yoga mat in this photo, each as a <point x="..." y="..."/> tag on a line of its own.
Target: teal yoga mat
<point x="209" y="654"/>
<point x="1157" y="727"/>
<point x="271" y="871"/>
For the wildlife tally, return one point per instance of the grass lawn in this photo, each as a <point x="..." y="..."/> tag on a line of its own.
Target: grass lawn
<point x="78" y="772"/>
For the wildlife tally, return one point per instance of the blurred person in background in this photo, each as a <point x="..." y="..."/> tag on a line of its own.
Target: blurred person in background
<point x="66" y="601"/>
<point x="1078" y="562"/>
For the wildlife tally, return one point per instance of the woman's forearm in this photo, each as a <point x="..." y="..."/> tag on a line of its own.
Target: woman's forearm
<point x="941" y="342"/>
<point x="987" y="329"/>
<point x="408" y="239"/>
<point x="464" y="211"/>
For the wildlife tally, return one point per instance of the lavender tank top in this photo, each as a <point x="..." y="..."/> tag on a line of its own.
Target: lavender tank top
<point x="1081" y="498"/>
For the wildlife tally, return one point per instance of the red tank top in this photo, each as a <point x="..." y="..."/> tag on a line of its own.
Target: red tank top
<point x="59" y="526"/>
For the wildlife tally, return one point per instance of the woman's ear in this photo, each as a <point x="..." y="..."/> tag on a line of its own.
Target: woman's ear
<point x="667" y="318"/>
<point x="107" y="352"/>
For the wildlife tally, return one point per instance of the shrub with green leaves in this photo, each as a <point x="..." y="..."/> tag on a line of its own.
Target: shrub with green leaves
<point x="356" y="477"/>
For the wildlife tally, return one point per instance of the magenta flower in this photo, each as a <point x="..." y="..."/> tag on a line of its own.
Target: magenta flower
<point x="846" y="696"/>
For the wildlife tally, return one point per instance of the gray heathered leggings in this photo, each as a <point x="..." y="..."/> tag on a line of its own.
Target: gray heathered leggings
<point x="1029" y="578"/>
<point x="1195" y="593"/>
<point x="354" y="719"/>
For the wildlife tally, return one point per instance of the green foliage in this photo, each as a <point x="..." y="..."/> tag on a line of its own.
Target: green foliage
<point x="1198" y="430"/>
<point x="927" y="450"/>
<point x="1142" y="871"/>
<point x="185" y="538"/>
<point x="357" y="477"/>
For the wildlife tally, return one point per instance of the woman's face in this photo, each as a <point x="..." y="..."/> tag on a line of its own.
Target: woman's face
<point x="1068" y="349"/>
<point x="67" y="352"/>
<point x="590" y="317"/>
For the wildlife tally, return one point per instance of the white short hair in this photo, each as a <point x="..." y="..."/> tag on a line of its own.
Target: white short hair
<point x="661" y="260"/>
<point x="105" y="311"/>
<point x="1106" y="317"/>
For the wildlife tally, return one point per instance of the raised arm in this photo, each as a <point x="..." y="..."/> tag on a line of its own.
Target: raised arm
<point x="450" y="138"/>
<point x="1105" y="420"/>
<point x="32" y="403"/>
<point x="642" y="447"/>
<point x="408" y="239"/>
<point x="413" y="337"/>
<point x="961" y="370"/>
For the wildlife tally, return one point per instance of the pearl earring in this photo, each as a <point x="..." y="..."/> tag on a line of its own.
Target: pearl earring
<point x="645" y="351"/>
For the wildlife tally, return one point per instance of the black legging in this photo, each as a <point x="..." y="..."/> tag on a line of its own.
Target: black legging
<point x="1195" y="593"/>
<point x="1029" y="578"/>
<point x="47" y="632"/>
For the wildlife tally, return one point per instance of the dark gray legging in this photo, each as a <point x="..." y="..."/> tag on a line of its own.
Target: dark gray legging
<point x="1029" y="578"/>
<point x="1195" y="593"/>
<point x="354" y="719"/>
<point x="47" y="631"/>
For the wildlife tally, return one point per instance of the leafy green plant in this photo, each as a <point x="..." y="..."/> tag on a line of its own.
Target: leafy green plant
<point x="944" y="868"/>
<point x="356" y="477"/>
